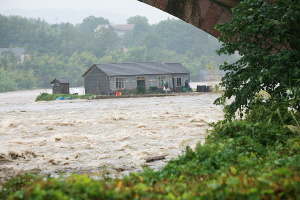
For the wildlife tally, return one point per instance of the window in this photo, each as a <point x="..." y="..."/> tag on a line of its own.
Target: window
<point x="140" y="78"/>
<point x="161" y="81"/>
<point x="179" y="82"/>
<point x="119" y="83"/>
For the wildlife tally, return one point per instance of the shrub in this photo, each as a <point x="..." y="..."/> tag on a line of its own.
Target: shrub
<point x="135" y="91"/>
<point x="153" y="88"/>
<point x="51" y="97"/>
<point x="141" y="89"/>
<point x="128" y="92"/>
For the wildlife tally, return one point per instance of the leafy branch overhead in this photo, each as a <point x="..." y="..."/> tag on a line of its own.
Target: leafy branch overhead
<point x="267" y="36"/>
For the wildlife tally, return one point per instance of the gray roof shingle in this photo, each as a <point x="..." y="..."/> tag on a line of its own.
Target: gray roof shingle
<point x="61" y="80"/>
<point x="178" y="68"/>
<point x="142" y="68"/>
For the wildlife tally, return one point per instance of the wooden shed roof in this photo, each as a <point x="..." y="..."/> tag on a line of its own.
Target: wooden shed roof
<point x="141" y="68"/>
<point x="61" y="80"/>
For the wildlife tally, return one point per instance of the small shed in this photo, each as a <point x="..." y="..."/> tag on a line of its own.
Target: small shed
<point x="60" y="86"/>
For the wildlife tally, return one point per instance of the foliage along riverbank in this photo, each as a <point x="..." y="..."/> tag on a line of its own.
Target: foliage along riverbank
<point x="51" y="97"/>
<point x="253" y="158"/>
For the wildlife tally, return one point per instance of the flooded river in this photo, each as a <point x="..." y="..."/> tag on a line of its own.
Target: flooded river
<point x="87" y="136"/>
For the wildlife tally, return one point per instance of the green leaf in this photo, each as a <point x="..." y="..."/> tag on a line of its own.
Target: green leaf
<point x="283" y="171"/>
<point x="293" y="129"/>
<point x="233" y="181"/>
<point x="233" y="170"/>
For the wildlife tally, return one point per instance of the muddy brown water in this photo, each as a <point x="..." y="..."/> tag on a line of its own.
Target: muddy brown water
<point x="87" y="136"/>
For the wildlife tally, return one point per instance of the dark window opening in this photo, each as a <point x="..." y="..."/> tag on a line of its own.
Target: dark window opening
<point x="119" y="83"/>
<point x="179" y="82"/>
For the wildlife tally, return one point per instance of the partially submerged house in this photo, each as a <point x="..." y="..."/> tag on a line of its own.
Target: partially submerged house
<point x="60" y="86"/>
<point x="102" y="79"/>
<point x="211" y="75"/>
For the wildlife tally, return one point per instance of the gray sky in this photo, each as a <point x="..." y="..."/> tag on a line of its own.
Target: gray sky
<point x="122" y="8"/>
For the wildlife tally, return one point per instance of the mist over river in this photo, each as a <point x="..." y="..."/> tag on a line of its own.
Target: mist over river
<point x="86" y="136"/>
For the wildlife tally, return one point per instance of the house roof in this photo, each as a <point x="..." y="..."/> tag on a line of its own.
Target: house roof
<point x="142" y="68"/>
<point x="16" y="51"/>
<point x="61" y="80"/>
<point x="178" y="68"/>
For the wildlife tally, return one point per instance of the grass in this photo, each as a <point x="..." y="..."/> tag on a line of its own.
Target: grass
<point x="51" y="97"/>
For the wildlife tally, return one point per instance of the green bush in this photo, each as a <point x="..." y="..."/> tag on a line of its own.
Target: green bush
<point x="135" y="91"/>
<point x="51" y="97"/>
<point x="128" y="92"/>
<point x="141" y="89"/>
<point x="153" y="88"/>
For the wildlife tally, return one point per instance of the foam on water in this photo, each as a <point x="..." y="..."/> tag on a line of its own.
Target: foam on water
<point x="86" y="136"/>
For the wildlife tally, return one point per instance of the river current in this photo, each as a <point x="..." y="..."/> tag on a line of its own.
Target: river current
<point x="88" y="136"/>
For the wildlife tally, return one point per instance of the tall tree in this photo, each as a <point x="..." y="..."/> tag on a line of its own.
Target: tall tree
<point x="176" y="35"/>
<point x="105" y="39"/>
<point x="151" y="41"/>
<point x="90" y="23"/>
<point x="140" y="29"/>
<point x="267" y="37"/>
<point x="137" y="20"/>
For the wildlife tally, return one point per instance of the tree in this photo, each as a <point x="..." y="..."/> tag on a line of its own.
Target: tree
<point x="6" y="81"/>
<point x="136" y="54"/>
<point x="267" y="37"/>
<point x="67" y="36"/>
<point x="3" y="31"/>
<point x="177" y="35"/>
<point x="139" y="31"/>
<point x="105" y="39"/>
<point x="201" y="43"/>
<point x="137" y="20"/>
<point x="151" y="41"/>
<point x="90" y="23"/>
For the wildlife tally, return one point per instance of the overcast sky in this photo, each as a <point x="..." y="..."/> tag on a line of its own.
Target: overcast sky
<point x="125" y="8"/>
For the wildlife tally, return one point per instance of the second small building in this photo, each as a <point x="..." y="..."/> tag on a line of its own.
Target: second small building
<point x="60" y="86"/>
<point x="104" y="79"/>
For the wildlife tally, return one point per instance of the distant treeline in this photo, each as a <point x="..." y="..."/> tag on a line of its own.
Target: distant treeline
<point x="67" y="51"/>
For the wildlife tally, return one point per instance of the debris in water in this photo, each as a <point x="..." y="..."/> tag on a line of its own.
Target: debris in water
<point x="142" y="126"/>
<point x="152" y="159"/>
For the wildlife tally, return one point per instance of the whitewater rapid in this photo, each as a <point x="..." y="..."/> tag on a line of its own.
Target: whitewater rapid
<point x="87" y="136"/>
